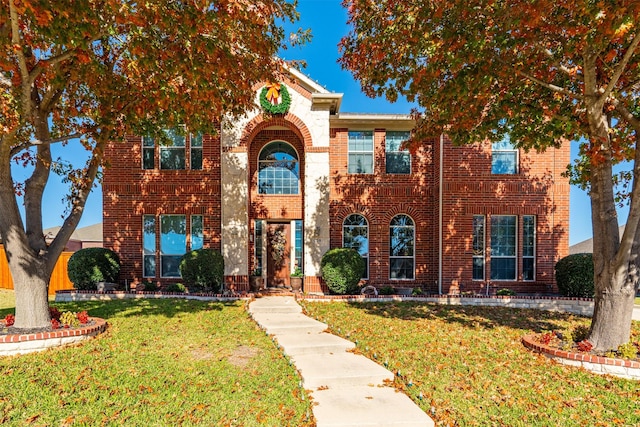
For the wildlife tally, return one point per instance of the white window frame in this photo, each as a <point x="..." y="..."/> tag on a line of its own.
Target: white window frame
<point x="482" y="249"/>
<point x="514" y="256"/>
<point x="170" y="148"/>
<point x="155" y="247"/>
<point x="162" y="254"/>
<point x="366" y="258"/>
<point x="361" y="152"/>
<point x="534" y="248"/>
<point x="413" y="246"/>
<point x="404" y="152"/>
<point x="505" y="147"/>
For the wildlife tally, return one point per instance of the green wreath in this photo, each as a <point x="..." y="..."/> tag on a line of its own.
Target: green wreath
<point x="281" y="108"/>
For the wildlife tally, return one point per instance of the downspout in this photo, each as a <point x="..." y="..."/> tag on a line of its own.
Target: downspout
<point x="440" y="209"/>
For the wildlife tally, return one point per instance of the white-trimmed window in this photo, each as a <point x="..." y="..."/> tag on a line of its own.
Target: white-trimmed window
<point x="360" y="147"/>
<point x="478" y="247"/>
<point x="355" y="235"/>
<point x="148" y="152"/>
<point x="397" y="160"/>
<point x="528" y="247"/>
<point x="278" y="169"/>
<point x="172" y="156"/>
<point x="504" y="158"/>
<point x="503" y="247"/>
<point x="195" y="140"/>
<point x="148" y="246"/>
<point x="173" y="243"/>
<point x="401" y="248"/>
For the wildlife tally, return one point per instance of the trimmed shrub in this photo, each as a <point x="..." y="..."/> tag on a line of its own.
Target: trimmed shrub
<point x="176" y="287"/>
<point x="89" y="266"/>
<point x="574" y="275"/>
<point x="506" y="292"/>
<point x="203" y="270"/>
<point x="386" y="290"/>
<point x="150" y="286"/>
<point x="342" y="269"/>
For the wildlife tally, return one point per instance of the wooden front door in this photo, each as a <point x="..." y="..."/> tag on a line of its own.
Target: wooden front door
<point x="278" y="254"/>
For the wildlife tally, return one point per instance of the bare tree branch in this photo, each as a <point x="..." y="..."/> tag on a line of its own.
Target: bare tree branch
<point x="628" y="116"/>
<point x="37" y="142"/>
<point x="551" y="87"/>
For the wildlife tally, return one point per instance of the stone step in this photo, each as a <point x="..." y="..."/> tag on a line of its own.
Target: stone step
<point x="275" y="305"/>
<point x="367" y="406"/>
<point x="295" y="344"/>
<point x="339" y="370"/>
<point x="275" y="323"/>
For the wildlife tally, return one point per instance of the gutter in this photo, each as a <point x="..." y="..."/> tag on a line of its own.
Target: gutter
<point x="440" y="210"/>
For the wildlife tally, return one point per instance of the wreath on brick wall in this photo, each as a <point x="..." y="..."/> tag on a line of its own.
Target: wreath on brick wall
<point x="275" y="98"/>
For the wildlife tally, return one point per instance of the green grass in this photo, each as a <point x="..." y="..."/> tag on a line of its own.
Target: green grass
<point x="637" y="301"/>
<point x="161" y="362"/>
<point x="466" y="365"/>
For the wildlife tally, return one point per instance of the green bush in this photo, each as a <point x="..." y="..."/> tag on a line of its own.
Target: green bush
<point x="342" y="269"/>
<point x="89" y="266"/>
<point x="150" y="286"/>
<point x="574" y="275"/>
<point x="506" y="292"/>
<point x="176" y="287"/>
<point x="203" y="270"/>
<point x="386" y="290"/>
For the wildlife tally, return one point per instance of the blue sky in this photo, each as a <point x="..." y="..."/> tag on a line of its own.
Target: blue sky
<point x="327" y="20"/>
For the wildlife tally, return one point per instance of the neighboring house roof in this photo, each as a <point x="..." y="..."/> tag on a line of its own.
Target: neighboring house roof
<point x="90" y="233"/>
<point x="586" y="246"/>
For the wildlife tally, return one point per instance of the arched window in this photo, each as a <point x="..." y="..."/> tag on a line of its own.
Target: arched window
<point x="355" y="235"/>
<point x="278" y="169"/>
<point x="401" y="248"/>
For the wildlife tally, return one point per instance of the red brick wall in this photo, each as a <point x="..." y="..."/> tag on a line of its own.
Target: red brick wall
<point x="381" y="196"/>
<point x="470" y="189"/>
<point x="130" y="192"/>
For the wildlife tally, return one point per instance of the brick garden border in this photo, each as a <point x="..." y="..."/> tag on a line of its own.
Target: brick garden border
<point x="629" y="369"/>
<point x="29" y="343"/>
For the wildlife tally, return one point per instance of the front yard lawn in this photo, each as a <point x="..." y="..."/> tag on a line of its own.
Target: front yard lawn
<point x="161" y="363"/>
<point x="466" y="365"/>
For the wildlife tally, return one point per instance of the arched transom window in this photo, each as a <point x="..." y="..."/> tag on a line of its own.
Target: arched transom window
<point x="401" y="248"/>
<point x="355" y="235"/>
<point x="278" y="169"/>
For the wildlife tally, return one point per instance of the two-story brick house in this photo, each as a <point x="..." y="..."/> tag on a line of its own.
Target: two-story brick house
<point x="278" y="189"/>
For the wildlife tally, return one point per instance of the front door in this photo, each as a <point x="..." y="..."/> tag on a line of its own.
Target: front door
<point x="278" y="254"/>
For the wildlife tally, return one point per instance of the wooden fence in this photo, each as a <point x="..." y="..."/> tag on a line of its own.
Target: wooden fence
<point x="59" y="278"/>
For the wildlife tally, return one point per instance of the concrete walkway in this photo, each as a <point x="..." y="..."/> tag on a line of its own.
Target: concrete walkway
<point x="636" y="312"/>
<point x="347" y="389"/>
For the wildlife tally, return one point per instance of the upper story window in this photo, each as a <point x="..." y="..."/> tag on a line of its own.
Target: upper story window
<point x="173" y="150"/>
<point x="504" y="158"/>
<point x="278" y="169"/>
<point x="401" y="247"/>
<point x="360" y="147"/>
<point x="172" y="156"/>
<point x="196" y="151"/>
<point x="398" y="161"/>
<point x="355" y="235"/>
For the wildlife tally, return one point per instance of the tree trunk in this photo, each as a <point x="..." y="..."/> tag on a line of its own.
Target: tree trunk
<point x="31" y="282"/>
<point x="613" y="309"/>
